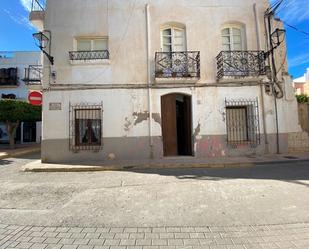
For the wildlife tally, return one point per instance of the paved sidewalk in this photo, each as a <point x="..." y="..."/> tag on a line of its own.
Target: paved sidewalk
<point x="247" y="237"/>
<point x="173" y="162"/>
<point x="6" y="152"/>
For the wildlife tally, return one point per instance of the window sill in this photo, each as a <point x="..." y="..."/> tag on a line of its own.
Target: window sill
<point x="177" y="80"/>
<point x="248" y="79"/>
<point x="90" y="62"/>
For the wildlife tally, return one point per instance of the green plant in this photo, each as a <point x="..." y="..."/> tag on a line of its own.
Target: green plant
<point x="12" y="112"/>
<point x="302" y="98"/>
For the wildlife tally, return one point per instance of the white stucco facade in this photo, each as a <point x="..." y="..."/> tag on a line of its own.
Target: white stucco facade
<point x="20" y="60"/>
<point x="129" y="91"/>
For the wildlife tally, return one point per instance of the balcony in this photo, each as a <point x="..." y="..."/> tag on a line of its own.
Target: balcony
<point x="89" y="57"/>
<point x="176" y="67"/>
<point x="37" y="14"/>
<point x="33" y="75"/>
<point x="8" y="77"/>
<point x="235" y="65"/>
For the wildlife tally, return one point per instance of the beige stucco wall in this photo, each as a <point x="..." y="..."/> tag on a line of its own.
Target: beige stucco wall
<point x="124" y="22"/>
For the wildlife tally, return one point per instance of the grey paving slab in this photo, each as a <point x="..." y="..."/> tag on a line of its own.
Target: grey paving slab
<point x="81" y="241"/>
<point x="137" y="235"/>
<point x="54" y="246"/>
<point x="122" y="235"/>
<point x="96" y="242"/>
<point x="152" y="235"/>
<point x="143" y="242"/>
<point x="111" y="242"/>
<point x="85" y="247"/>
<point x="127" y="242"/>
<point x="50" y="234"/>
<point x="38" y="246"/>
<point x="52" y="240"/>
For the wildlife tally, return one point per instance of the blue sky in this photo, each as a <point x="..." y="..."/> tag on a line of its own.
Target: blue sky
<point x="16" y="31"/>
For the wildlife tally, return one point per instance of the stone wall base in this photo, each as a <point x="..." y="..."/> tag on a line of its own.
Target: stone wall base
<point x="138" y="148"/>
<point x="298" y="142"/>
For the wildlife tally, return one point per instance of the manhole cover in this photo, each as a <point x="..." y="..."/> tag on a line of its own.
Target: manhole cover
<point x="291" y="157"/>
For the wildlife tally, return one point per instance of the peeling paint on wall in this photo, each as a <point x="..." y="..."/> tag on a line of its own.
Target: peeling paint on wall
<point x="157" y="118"/>
<point x="222" y="112"/>
<point x="140" y="117"/>
<point x="127" y="124"/>
<point x="197" y="131"/>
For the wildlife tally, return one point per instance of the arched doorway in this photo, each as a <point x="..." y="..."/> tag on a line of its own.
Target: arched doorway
<point x="176" y="124"/>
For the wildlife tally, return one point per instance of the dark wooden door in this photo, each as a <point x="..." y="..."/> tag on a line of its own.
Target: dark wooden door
<point x="188" y="125"/>
<point x="169" y="125"/>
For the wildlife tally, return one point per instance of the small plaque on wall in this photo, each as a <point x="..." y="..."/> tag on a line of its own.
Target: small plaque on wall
<point x="55" y="106"/>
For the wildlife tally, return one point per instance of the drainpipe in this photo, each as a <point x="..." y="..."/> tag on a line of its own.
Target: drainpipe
<point x="274" y="79"/>
<point x="149" y="78"/>
<point x="258" y="38"/>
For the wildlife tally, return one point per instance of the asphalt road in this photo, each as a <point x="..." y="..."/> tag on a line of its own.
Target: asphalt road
<point x="270" y="194"/>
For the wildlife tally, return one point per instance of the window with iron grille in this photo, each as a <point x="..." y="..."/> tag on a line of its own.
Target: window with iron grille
<point x="90" y="49"/>
<point x="242" y="121"/>
<point x="85" y="127"/>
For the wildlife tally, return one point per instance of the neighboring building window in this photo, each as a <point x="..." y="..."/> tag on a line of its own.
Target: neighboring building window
<point x="8" y="96"/>
<point x="8" y="76"/>
<point x="173" y="39"/>
<point x="86" y="127"/>
<point x="242" y="121"/>
<point x="233" y="39"/>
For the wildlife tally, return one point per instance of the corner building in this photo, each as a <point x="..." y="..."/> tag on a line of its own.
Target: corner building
<point x="145" y="79"/>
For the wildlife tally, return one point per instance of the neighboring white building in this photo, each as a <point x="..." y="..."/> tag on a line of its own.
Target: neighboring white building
<point x="141" y="79"/>
<point x="301" y="84"/>
<point x="14" y="77"/>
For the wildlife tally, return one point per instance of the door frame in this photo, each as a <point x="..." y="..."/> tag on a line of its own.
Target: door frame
<point x="190" y="117"/>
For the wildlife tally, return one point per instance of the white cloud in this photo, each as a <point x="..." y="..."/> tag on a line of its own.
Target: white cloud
<point x="26" y="4"/>
<point x="299" y="60"/>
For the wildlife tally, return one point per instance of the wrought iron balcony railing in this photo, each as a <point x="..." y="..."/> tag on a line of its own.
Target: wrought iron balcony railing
<point x="177" y="64"/>
<point x="89" y="55"/>
<point x="33" y="75"/>
<point x="241" y="64"/>
<point x="38" y="5"/>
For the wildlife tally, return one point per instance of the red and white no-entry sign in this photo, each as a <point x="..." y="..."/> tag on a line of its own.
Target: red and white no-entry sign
<point x="35" y="98"/>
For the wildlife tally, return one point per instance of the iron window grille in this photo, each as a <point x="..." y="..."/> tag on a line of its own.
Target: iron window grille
<point x="89" y="55"/>
<point x="240" y="64"/>
<point x="8" y="77"/>
<point x="177" y="64"/>
<point x="242" y="121"/>
<point x="86" y="127"/>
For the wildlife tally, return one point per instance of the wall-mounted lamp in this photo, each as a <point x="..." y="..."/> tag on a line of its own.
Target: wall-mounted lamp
<point x="276" y="35"/>
<point x="42" y="40"/>
<point x="276" y="39"/>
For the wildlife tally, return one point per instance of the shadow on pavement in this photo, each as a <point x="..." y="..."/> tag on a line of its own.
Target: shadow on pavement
<point x="292" y="172"/>
<point x="4" y="162"/>
<point x="32" y="156"/>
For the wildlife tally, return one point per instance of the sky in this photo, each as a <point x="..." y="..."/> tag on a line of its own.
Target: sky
<point x="16" y="31"/>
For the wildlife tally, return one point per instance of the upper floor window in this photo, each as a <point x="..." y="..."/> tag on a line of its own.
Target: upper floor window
<point x="173" y="39"/>
<point x="233" y="38"/>
<point x="94" y="44"/>
<point x="90" y="49"/>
